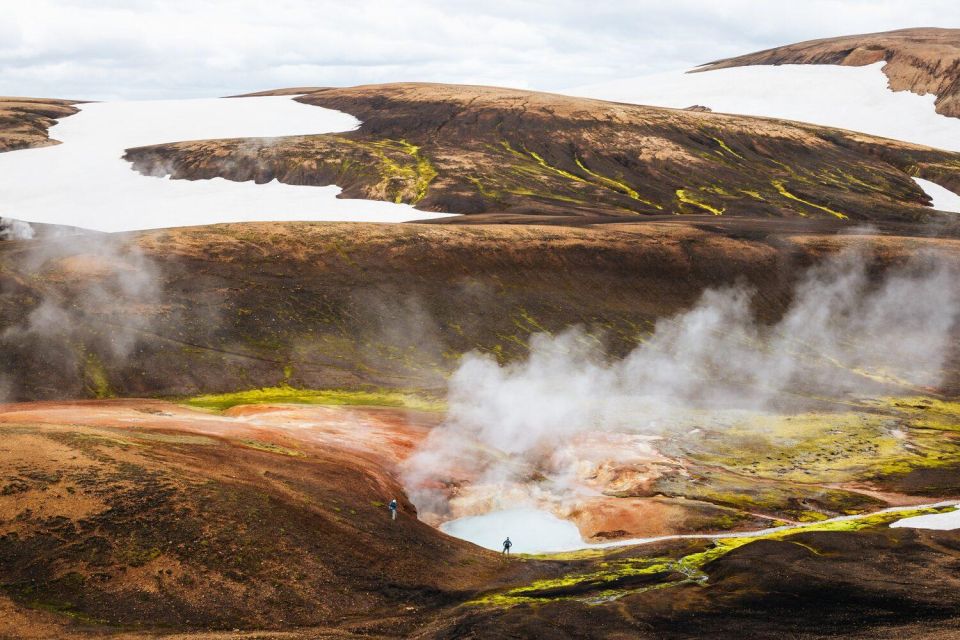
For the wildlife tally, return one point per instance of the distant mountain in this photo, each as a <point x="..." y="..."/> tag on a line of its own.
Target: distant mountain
<point x="473" y="150"/>
<point x="924" y="60"/>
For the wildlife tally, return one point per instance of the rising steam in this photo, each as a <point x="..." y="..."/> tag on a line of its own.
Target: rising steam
<point x="11" y="229"/>
<point x="89" y="299"/>
<point x="843" y="334"/>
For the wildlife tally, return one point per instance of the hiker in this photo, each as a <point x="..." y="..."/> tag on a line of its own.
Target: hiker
<point x="393" y="509"/>
<point x="506" y="546"/>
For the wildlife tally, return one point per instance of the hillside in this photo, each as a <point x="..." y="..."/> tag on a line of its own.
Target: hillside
<point x="190" y="521"/>
<point x="147" y="519"/>
<point x="472" y="150"/>
<point x="24" y="122"/>
<point x="315" y="305"/>
<point x="924" y="60"/>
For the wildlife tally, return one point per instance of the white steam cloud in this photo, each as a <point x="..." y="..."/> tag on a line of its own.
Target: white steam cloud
<point x="844" y="333"/>
<point x="11" y="229"/>
<point x="90" y="298"/>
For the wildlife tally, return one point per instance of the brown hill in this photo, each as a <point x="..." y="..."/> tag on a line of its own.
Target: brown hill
<point x="220" y="308"/>
<point x="145" y="519"/>
<point x="472" y="150"/>
<point x="187" y="521"/>
<point x="24" y="121"/>
<point x="925" y="60"/>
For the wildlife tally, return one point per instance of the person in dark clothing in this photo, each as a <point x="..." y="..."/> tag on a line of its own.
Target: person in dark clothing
<point x="393" y="509"/>
<point x="506" y="546"/>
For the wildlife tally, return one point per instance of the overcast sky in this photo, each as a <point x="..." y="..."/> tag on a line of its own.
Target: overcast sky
<point x="137" y="49"/>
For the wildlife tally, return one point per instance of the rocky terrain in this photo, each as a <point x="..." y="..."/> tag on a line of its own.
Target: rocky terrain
<point x="147" y="519"/>
<point x="924" y="61"/>
<point x="24" y="121"/>
<point x="152" y="514"/>
<point x="474" y="150"/>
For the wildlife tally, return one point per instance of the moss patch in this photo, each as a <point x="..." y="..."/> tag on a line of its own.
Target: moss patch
<point x="291" y="395"/>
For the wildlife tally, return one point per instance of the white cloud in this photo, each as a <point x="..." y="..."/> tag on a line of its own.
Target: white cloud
<point x="148" y="49"/>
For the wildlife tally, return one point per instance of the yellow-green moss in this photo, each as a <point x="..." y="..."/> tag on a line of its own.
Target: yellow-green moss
<point x="723" y="145"/>
<point x="96" y="378"/>
<point x="782" y="190"/>
<point x="685" y="197"/>
<point x="291" y="395"/>
<point x="269" y="447"/>
<point x="618" y="185"/>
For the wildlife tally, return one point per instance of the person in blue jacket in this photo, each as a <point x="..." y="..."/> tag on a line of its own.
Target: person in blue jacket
<point x="506" y="546"/>
<point x="393" y="509"/>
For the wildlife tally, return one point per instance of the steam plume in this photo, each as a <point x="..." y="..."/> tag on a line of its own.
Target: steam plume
<point x="844" y="333"/>
<point x="11" y="229"/>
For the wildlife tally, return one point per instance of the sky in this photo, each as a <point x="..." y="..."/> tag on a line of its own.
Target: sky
<point x="151" y="49"/>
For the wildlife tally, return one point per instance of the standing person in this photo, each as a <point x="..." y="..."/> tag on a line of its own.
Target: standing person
<point x="393" y="509"/>
<point x="506" y="546"/>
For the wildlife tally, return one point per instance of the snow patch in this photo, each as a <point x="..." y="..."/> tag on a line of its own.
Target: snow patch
<point x="855" y="98"/>
<point x="940" y="521"/>
<point x="84" y="182"/>
<point x="943" y="198"/>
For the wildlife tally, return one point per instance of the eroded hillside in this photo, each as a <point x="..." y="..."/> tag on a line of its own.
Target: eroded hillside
<point x="467" y="149"/>
<point x="24" y="122"/>
<point x="147" y="519"/>
<point x="313" y="305"/>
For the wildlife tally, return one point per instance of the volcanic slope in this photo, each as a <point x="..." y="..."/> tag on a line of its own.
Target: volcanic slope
<point x="147" y="513"/>
<point x="24" y="122"/>
<point x="468" y="149"/>
<point x="923" y="60"/>
<point x="316" y="305"/>
<point x="146" y="519"/>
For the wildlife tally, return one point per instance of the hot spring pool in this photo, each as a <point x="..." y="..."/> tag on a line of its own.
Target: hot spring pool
<point x="530" y="530"/>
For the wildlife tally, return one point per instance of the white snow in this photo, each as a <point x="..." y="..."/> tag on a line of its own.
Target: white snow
<point x="530" y="530"/>
<point x="943" y="198"/>
<point x="855" y="98"/>
<point x="941" y="521"/>
<point x="84" y="182"/>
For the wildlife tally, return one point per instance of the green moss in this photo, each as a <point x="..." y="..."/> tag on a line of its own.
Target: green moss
<point x="617" y="185"/>
<point x="95" y="376"/>
<point x="291" y="395"/>
<point x="879" y="438"/>
<point x="685" y="197"/>
<point x="269" y="447"/>
<point x="921" y="412"/>
<point x="533" y="166"/>
<point x="405" y="171"/>
<point x="723" y="145"/>
<point x="782" y="190"/>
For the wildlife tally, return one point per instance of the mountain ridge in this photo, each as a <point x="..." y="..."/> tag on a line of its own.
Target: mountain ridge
<point x="922" y="60"/>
